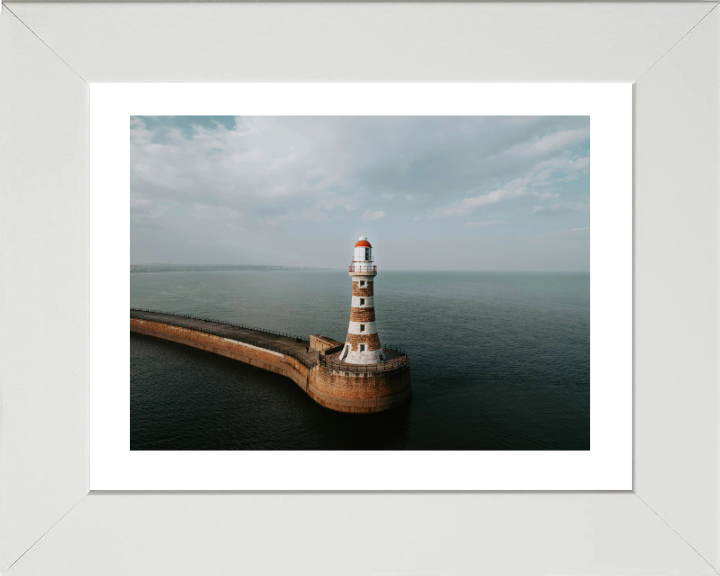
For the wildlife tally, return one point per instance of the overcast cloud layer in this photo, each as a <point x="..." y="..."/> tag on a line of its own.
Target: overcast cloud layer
<point x="440" y="193"/>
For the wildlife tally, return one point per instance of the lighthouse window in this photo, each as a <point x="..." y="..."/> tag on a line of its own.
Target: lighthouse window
<point x="362" y="327"/>
<point x="362" y="347"/>
<point x="362" y="282"/>
<point x="362" y="301"/>
<point x="367" y="253"/>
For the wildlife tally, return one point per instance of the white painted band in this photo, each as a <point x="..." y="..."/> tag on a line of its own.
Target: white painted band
<point x="183" y="329"/>
<point x="370" y="328"/>
<point x="367" y="276"/>
<point x="366" y="357"/>
<point x="255" y="347"/>
<point x="369" y="301"/>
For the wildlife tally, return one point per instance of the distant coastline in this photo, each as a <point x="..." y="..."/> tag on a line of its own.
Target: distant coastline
<point x="152" y="268"/>
<point x="145" y="268"/>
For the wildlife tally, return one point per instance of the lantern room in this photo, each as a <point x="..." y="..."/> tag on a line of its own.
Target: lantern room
<point x="363" y="250"/>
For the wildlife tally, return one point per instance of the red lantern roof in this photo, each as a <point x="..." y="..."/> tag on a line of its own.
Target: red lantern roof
<point x="362" y="243"/>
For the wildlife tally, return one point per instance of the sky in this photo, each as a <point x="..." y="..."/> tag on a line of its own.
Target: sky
<point x="485" y="193"/>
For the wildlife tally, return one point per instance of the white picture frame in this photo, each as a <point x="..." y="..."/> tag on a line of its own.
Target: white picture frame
<point x="49" y="523"/>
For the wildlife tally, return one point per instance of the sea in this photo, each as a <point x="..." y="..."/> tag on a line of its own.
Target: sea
<point x="499" y="361"/>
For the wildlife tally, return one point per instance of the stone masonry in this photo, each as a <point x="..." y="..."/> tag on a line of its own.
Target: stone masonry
<point x="358" y="389"/>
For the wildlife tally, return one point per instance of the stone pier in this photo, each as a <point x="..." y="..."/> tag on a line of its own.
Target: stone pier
<point x="313" y="364"/>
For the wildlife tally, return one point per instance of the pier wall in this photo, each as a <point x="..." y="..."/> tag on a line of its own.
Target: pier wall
<point x="362" y="393"/>
<point x="255" y="356"/>
<point x="340" y="390"/>
<point x="323" y="343"/>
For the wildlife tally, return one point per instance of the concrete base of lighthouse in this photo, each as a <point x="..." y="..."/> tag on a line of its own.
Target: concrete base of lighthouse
<point x="369" y="357"/>
<point x="360" y="393"/>
<point x="359" y="389"/>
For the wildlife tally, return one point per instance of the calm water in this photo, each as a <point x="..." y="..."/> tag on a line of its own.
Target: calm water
<point x="500" y="361"/>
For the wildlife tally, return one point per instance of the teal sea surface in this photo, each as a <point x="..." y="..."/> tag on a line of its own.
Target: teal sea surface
<point x="499" y="361"/>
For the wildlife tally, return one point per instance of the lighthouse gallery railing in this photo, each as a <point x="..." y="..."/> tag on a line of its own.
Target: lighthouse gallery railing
<point x="353" y="268"/>
<point x="365" y="368"/>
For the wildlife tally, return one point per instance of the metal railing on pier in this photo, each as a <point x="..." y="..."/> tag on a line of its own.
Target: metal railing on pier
<point x="244" y="326"/>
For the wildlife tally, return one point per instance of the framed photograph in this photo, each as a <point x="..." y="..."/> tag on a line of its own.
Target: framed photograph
<point x="527" y="173"/>
<point x="561" y="196"/>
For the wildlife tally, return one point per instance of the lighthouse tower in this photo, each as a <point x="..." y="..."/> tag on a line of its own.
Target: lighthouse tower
<point x="362" y="345"/>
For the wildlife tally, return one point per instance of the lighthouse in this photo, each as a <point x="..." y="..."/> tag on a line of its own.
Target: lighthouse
<point x="358" y="376"/>
<point x="362" y="345"/>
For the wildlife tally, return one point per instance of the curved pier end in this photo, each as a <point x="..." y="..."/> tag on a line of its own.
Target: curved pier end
<point x="360" y="389"/>
<point x="312" y="364"/>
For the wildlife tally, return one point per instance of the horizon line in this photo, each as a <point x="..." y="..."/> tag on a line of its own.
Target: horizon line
<point x="342" y="269"/>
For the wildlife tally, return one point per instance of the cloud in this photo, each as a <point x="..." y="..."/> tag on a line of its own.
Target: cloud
<point x="542" y="174"/>
<point x="284" y="165"/>
<point x="545" y="195"/>
<point x="560" y="140"/>
<point x="471" y="204"/>
<point x="484" y="223"/>
<point x="314" y="213"/>
<point x="331" y="200"/>
<point x="257" y="165"/>
<point x="258" y="189"/>
<point x="570" y="168"/>
<point x="370" y="215"/>
<point x="573" y="235"/>
<point x="560" y="208"/>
